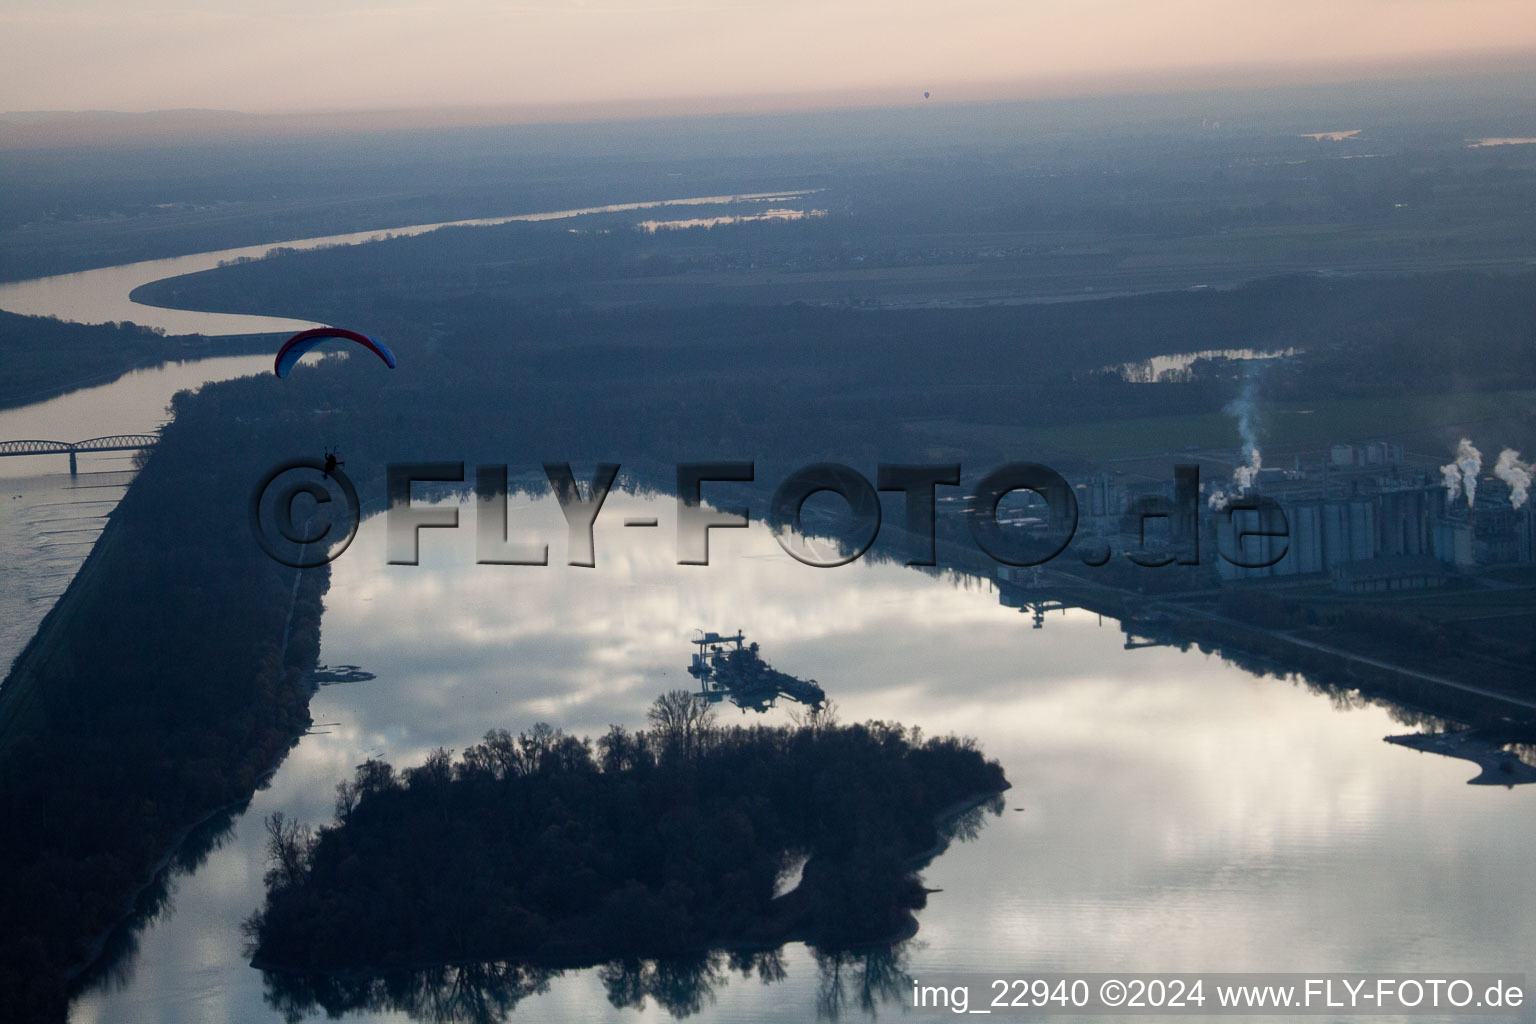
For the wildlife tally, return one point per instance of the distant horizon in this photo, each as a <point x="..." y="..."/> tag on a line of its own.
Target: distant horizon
<point x="66" y="126"/>
<point x="1169" y="80"/>
<point x="605" y="58"/>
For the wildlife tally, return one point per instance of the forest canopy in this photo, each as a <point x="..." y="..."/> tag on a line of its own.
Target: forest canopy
<point x="553" y="849"/>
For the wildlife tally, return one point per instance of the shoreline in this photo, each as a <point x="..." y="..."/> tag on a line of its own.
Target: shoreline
<point x="16" y="690"/>
<point x="78" y="975"/>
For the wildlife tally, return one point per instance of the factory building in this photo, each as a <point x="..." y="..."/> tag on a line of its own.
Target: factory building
<point x="1360" y="506"/>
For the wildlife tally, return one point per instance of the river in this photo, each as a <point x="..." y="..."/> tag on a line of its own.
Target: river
<point x="1170" y="811"/>
<point x="102" y="295"/>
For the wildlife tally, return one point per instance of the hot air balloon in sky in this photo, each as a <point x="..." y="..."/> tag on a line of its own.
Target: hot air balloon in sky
<point x="295" y="347"/>
<point x="925" y="95"/>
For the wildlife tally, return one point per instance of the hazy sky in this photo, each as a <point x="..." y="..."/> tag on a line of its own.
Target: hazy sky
<point x="295" y="55"/>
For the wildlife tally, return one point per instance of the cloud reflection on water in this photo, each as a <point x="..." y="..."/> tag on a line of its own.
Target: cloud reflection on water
<point x="1179" y="813"/>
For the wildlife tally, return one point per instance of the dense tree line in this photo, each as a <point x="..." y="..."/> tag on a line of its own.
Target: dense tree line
<point x="641" y="844"/>
<point x="158" y="691"/>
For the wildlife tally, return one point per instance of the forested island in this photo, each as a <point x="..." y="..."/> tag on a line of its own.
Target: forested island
<point x="562" y="851"/>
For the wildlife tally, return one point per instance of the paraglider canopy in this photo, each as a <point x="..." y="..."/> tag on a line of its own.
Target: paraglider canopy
<point x="295" y="347"/>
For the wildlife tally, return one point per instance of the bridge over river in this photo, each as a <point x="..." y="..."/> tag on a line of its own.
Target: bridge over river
<point x="109" y="443"/>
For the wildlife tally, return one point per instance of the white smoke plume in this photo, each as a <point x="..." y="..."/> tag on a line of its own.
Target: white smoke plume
<point x="1450" y="477"/>
<point x="1517" y="474"/>
<point x="1247" y="473"/>
<point x="1460" y="477"/>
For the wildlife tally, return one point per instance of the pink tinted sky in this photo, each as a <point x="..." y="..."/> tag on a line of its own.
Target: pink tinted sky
<point x="306" y="55"/>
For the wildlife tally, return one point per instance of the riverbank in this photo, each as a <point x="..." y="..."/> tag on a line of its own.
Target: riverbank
<point x="45" y="357"/>
<point x="19" y="692"/>
<point x="157" y="692"/>
<point x="1460" y="689"/>
<point x="99" y="956"/>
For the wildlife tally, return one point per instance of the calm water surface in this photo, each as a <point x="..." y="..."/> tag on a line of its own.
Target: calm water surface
<point x="48" y="519"/>
<point x="1169" y="811"/>
<point x="101" y="296"/>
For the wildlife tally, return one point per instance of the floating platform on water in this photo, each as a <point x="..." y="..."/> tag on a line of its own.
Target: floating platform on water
<point x="728" y="668"/>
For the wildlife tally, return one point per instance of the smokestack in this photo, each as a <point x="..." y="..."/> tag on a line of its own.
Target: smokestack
<point x="1460" y="476"/>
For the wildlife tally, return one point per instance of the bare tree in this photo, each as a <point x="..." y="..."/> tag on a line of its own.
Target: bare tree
<point x="684" y="721"/>
<point x="815" y="719"/>
<point x="348" y="792"/>
<point x="289" y="844"/>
